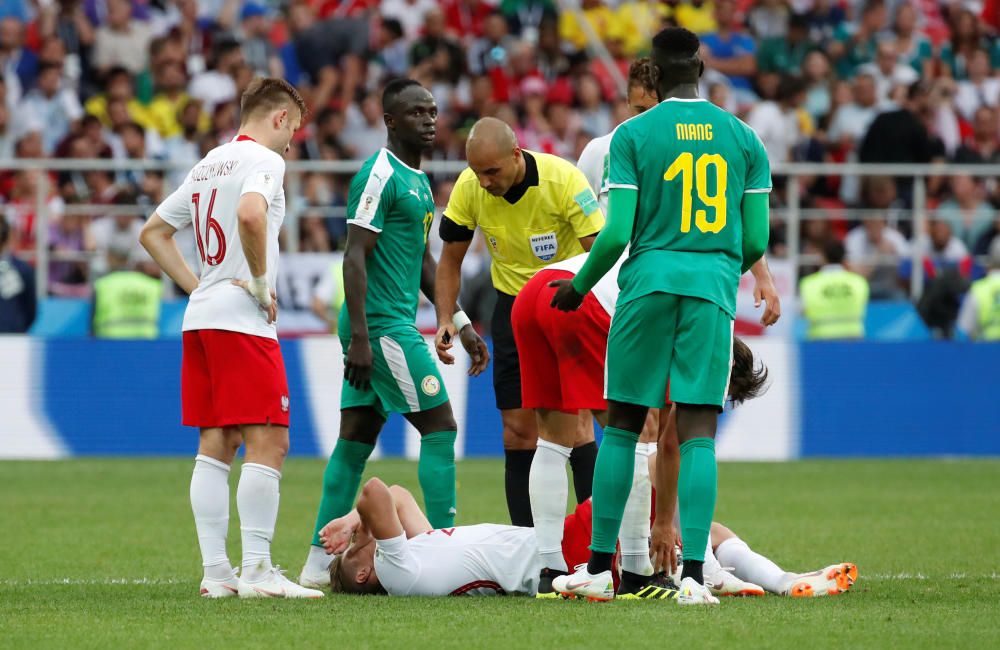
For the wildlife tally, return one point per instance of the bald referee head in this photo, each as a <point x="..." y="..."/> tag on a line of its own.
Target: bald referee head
<point x="494" y="156"/>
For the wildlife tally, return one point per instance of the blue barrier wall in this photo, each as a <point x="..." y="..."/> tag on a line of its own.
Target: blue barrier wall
<point x="79" y="397"/>
<point x="899" y="399"/>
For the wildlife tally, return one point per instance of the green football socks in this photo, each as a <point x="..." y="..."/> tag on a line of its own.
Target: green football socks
<point x="696" y="491"/>
<point x="612" y="483"/>
<point x="341" y="481"/>
<point x="436" y="471"/>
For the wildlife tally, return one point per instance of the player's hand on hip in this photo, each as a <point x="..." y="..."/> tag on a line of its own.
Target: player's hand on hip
<point x="267" y="298"/>
<point x="336" y="535"/>
<point x="476" y="347"/>
<point x="566" y="297"/>
<point x="767" y="293"/>
<point x="662" y="547"/>
<point x="443" y="342"/>
<point x="358" y="364"/>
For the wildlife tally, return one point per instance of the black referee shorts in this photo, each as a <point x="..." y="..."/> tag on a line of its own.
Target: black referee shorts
<point x="506" y="366"/>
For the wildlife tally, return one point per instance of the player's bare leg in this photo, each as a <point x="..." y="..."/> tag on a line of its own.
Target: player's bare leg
<point x="548" y="487"/>
<point x="217" y="448"/>
<point x="750" y="565"/>
<point x="436" y="467"/>
<point x="520" y="436"/>
<point x="359" y="429"/>
<point x="257" y="498"/>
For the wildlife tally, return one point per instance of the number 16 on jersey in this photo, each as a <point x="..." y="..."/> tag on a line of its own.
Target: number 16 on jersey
<point x="211" y="226"/>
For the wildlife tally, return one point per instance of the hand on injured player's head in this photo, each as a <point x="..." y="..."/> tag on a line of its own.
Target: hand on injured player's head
<point x="336" y="535"/>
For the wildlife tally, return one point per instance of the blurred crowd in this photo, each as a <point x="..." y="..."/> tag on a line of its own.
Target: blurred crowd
<point x="820" y="80"/>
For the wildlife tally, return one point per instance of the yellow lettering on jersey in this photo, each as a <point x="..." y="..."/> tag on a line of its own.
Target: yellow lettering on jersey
<point x="694" y="131"/>
<point x="428" y="220"/>
<point x="686" y="166"/>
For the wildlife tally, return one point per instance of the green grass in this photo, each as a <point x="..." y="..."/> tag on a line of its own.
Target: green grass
<point x="103" y="554"/>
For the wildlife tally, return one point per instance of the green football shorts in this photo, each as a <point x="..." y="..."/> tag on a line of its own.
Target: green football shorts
<point x="664" y="336"/>
<point x="405" y="378"/>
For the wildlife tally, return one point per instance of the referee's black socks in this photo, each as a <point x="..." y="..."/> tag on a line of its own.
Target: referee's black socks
<point x="582" y="461"/>
<point x="517" y="467"/>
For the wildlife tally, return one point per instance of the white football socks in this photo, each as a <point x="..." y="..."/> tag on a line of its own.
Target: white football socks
<point x="210" y="504"/>
<point x="318" y="561"/>
<point x="754" y="567"/>
<point x="711" y="565"/>
<point x="257" y="497"/>
<point x="548" y="487"/>
<point x="634" y="535"/>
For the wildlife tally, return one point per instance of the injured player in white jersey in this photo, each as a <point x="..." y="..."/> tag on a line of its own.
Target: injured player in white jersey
<point x="387" y="546"/>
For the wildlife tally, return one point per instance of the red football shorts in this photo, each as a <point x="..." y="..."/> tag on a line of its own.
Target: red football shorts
<point x="562" y="353"/>
<point x="577" y="529"/>
<point x="230" y="378"/>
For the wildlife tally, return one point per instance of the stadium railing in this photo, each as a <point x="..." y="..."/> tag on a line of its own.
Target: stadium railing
<point x="792" y="213"/>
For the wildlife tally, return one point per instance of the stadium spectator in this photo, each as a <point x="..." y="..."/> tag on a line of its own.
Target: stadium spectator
<point x="939" y="248"/>
<point x="123" y="41"/>
<point x="598" y="16"/>
<point x="328" y="296"/>
<point x="981" y="88"/>
<point x="490" y="52"/>
<point x="777" y="122"/>
<point x="118" y="86"/>
<point x="435" y="42"/>
<point x="983" y="145"/>
<point x="331" y="47"/>
<point x="553" y="62"/>
<point x="818" y="76"/>
<point x="697" y="15"/>
<point x="769" y="19"/>
<point x="888" y="71"/>
<point x="18" y="305"/>
<point x="915" y="49"/>
<point x="967" y="212"/>
<point x="595" y="116"/>
<point x="365" y="132"/>
<point x="874" y="249"/>
<point x="119" y="232"/>
<point x="854" y="44"/>
<point x="255" y="31"/>
<point x="67" y="22"/>
<point x="6" y="133"/>
<point x="466" y="19"/>
<point x="18" y="64"/>
<point x="217" y="84"/>
<point x="730" y="50"/>
<point x="408" y="13"/>
<point x="986" y="240"/>
<point x="967" y="36"/>
<point x="56" y="106"/>
<point x="786" y="53"/>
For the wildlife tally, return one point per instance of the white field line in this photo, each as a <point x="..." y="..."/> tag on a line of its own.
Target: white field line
<point x="178" y="581"/>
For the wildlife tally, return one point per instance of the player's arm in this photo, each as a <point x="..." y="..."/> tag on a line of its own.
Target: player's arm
<point x="377" y="510"/>
<point x="410" y="515"/>
<point x="251" y="217"/>
<point x="765" y="291"/>
<point x="607" y="248"/>
<point x="358" y="362"/>
<point x="471" y="340"/>
<point x="457" y="227"/>
<point x="756" y="227"/>
<point x="157" y="237"/>
<point x="668" y="463"/>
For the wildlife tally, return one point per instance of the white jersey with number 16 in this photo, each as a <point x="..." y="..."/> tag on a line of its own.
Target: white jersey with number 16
<point x="207" y="201"/>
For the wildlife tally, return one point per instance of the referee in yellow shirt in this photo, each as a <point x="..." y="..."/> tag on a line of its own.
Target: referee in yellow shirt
<point x="534" y="209"/>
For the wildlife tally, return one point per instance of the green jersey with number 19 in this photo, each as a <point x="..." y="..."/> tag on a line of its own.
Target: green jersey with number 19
<point x="691" y="163"/>
<point x="391" y="198"/>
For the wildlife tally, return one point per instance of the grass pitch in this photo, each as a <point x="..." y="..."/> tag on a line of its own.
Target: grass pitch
<point x="103" y="554"/>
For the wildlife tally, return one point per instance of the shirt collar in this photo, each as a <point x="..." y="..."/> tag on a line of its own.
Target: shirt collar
<point x="832" y="267"/>
<point x="530" y="179"/>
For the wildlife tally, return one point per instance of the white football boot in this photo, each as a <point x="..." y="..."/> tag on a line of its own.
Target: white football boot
<point x="225" y="588"/>
<point x="275" y="585"/>
<point x="724" y="583"/>
<point x="595" y="588"/>
<point x="693" y="593"/>
<point x="834" y="579"/>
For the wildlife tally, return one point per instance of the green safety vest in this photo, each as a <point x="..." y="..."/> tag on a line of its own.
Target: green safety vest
<point x="987" y="294"/>
<point x="834" y="303"/>
<point x="337" y="269"/>
<point x="127" y="306"/>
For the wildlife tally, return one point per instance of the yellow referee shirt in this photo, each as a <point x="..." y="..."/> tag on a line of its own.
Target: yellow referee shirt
<point x="528" y="232"/>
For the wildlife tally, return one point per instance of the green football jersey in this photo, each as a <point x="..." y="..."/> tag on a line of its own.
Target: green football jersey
<point x="391" y="198"/>
<point x="691" y="163"/>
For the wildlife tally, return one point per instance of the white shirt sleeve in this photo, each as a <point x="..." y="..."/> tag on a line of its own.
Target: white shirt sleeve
<point x="265" y="178"/>
<point x="398" y="570"/>
<point x="176" y="208"/>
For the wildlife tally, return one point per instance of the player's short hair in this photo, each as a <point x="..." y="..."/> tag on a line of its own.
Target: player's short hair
<point x="266" y="94"/>
<point x="642" y="74"/>
<point x="337" y="583"/>
<point x="393" y="89"/>
<point x="833" y="251"/>
<point x="675" y="53"/>
<point x="748" y="378"/>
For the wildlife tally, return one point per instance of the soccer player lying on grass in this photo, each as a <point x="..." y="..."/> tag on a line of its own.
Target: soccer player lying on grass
<point x="387" y="546"/>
